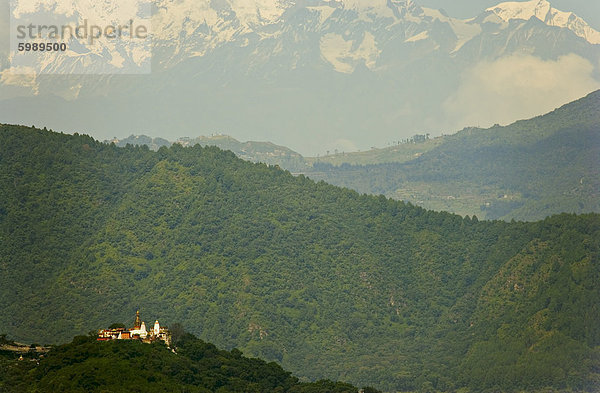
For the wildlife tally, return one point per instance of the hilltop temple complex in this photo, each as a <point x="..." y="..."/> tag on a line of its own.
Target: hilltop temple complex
<point x="138" y="332"/>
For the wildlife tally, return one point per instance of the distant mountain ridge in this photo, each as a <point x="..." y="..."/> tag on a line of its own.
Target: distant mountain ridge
<point x="140" y="140"/>
<point x="413" y="170"/>
<point x="265" y="152"/>
<point x="525" y="171"/>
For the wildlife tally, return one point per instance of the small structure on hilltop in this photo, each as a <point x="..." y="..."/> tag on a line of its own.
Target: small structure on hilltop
<point x="138" y="332"/>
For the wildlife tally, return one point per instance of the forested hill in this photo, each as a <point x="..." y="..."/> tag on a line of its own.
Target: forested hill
<point x="525" y="171"/>
<point x="327" y="282"/>
<point x="88" y="366"/>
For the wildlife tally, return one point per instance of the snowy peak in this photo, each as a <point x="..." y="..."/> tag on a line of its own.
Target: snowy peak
<point x="522" y="10"/>
<point x="378" y="6"/>
<point x="542" y="10"/>
<point x="227" y="16"/>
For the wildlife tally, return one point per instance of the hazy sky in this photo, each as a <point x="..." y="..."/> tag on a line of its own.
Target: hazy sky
<point x="589" y="10"/>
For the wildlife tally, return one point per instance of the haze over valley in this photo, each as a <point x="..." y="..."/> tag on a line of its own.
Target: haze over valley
<point x="318" y="75"/>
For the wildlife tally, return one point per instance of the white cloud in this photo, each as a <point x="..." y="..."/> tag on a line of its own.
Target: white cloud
<point x="518" y="87"/>
<point x="21" y="77"/>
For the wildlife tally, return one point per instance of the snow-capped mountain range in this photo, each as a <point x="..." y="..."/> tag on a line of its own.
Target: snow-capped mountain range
<point x="349" y="31"/>
<point x="543" y="11"/>
<point x="313" y="73"/>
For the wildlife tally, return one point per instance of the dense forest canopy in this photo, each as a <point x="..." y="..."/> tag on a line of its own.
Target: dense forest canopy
<point x="323" y="280"/>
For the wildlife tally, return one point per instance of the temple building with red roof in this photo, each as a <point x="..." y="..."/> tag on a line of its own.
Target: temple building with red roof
<point x="138" y="332"/>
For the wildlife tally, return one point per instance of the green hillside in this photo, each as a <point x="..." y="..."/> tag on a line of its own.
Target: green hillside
<point x="525" y="171"/>
<point x="86" y="366"/>
<point x="326" y="282"/>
